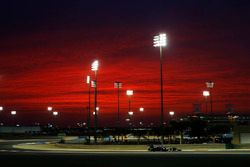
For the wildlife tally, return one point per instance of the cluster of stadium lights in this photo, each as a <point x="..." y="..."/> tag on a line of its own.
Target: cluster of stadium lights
<point x="158" y="41"/>
<point x="118" y="85"/>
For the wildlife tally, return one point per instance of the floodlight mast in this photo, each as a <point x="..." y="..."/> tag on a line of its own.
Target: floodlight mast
<point x="210" y="86"/>
<point x="129" y="93"/>
<point x="206" y="94"/>
<point x="94" y="67"/>
<point x="89" y="115"/>
<point x="161" y="41"/>
<point x="118" y="85"/>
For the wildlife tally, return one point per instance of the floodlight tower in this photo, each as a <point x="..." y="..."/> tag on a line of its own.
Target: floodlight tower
<point x="130" y="93"/>
<point x="160" y="41"/>
<point x="206" y="94"/>
<point x="118" y="85"/>
<point x="88" y="117"/>
<point x="210" y="86"/>
<point x="94" y="67"/>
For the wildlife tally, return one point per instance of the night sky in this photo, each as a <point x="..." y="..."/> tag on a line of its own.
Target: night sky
<point x="47" y="47"/>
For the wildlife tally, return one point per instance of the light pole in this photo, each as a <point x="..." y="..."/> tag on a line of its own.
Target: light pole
<point x="55" y="114"/>
<point x="94" y="67"/>
<point x="118" y="85"/>
<point x="50" y="109"/>
<point x="129" y="94"/>
<point x="141" y="109"/>
<point x="1" y="109"/>
<point x="210" y="86"/>
<point x="206" y="94"/>
<point x="161" y="41"/>
<point x="13" y="114"/>
<point x="171" y="114"/>
<point x="88" y="117"/>
<point x="130" y="114"/>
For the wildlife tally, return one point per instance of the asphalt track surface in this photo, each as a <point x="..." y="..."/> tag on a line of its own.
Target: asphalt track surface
<point x="13" y="157"/>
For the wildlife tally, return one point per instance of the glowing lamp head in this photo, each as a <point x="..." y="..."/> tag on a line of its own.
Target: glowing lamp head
<point x="210" y="84"/>
<point x="1" y="108"/>
<point x="49" y="108"/>
<point x="130" y="92"/>
<point x="93" y="84"/>
<point x="13" y="112"/>
<point x="130" y="113"/>
<point x="95" y="65"/>
<point x="141" y="109"/>
<point x="171" y="113"/>
<point x="55" y="113"/>
<point x="127" y="119"/>
<point x="160" y="40"/>
<point x="118" y="85"/>
<point x="97" y="108"/>
<point x="88" y="79"/>
<point x="206" y="93"/>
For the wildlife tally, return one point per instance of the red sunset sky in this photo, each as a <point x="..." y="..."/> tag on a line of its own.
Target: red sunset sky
<point x="46" y="51"/>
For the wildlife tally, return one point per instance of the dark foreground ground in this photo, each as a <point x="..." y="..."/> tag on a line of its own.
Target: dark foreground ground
<point x="118" y="159"/>
<point x="11" y="157"/>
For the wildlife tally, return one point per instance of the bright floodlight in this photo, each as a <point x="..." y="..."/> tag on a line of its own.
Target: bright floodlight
<point x="206" y="93"/>
<point x="129" y="92"/>
<point x="93" y="113"/>
<point x="95" y="65"/>
<point x="97" y="108"/>
<point x="141" y="109"/>
<point x="49" y="108"/>
<point x="55" y="113"/>
<point x="127" y="119"/>
<point x="1" y="108"/>
<point x="160" y="40"/>
<point x="130" y="113"/>
<point x="171" y="113"/>
<point x="118" y="85"/>
<point x="93" y="84"/>
<point x="88" y="79"/>
<point x="13" y="112"/>
<point x="210" y="84"/>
